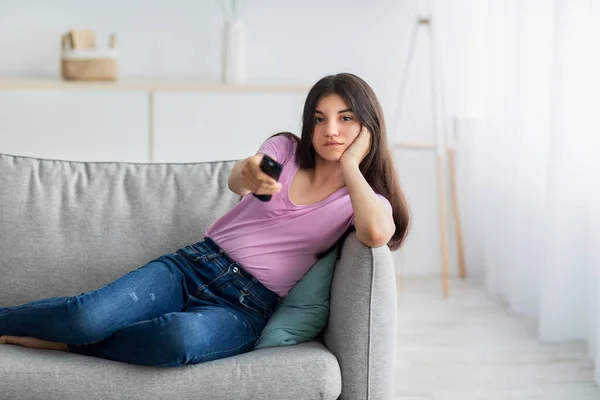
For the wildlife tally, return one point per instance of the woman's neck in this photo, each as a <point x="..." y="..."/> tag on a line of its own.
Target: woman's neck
<point x="327" y="173"/>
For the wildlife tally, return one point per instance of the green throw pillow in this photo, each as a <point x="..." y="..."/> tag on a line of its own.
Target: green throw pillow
<point x="302" y="315"/>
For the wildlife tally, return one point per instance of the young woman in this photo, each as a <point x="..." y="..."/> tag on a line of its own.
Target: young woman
<point x="212" y="299"/>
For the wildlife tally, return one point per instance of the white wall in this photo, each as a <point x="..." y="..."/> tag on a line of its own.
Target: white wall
<point x="288" y="41"/>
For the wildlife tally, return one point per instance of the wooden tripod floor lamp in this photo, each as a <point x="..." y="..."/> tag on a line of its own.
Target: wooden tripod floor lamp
<point x="443" y="146"/>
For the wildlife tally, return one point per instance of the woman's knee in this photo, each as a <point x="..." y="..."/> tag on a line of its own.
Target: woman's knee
<point x="88" y="324"/>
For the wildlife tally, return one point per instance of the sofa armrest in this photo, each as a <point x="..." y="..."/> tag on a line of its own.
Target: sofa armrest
<point x="362" y="321"/>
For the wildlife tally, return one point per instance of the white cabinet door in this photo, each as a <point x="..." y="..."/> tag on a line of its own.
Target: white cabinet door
<point x="214" y="126"/>
<point x="75" y="125"/>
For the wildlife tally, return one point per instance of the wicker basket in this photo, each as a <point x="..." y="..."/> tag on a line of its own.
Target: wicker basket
<point x="88" y="64"/>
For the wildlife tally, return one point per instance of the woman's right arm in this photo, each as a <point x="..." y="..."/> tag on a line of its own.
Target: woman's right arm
<point x="246" y="177"/>
<point x="235" y="179"/>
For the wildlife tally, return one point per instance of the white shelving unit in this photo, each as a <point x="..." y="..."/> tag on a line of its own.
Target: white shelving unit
<point x="143" y="120"/>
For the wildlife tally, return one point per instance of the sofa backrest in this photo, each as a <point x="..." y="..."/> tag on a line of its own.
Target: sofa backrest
<point x="70" y="227"/>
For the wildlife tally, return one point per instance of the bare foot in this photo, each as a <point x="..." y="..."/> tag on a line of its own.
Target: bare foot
<point x="33" y="343"/>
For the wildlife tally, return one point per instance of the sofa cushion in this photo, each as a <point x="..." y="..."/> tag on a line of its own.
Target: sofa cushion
<point x="307" y="371"/>
<point x="302" y="315"/>
<point x="70" y="227"/>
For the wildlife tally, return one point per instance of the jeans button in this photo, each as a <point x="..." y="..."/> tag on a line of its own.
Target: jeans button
<point x="235" y="270"/>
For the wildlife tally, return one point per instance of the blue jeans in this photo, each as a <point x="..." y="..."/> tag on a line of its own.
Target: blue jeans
<point x="191" y="306"/>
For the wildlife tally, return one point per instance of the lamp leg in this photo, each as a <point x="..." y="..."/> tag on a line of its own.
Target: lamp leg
<point x="456" y="210"/>
<point x="443" y="224"/>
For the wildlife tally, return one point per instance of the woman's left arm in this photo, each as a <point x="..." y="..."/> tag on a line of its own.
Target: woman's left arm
<point x="372" y="217"/>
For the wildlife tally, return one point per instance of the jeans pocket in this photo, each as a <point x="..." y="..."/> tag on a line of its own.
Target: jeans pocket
<point x="251" y="303"/>
<point x="195" y="255"/>
<point x="216" y="287"/>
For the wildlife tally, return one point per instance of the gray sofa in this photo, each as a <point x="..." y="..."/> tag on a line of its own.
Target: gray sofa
<point x="70" y="227"/>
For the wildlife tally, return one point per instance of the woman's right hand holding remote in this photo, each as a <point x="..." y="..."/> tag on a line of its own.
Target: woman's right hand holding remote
<point x="255" y="180"/>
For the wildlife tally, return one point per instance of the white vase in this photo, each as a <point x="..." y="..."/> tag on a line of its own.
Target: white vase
<point x="234" y="52"/>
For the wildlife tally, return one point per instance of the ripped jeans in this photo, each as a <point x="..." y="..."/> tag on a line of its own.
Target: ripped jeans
<point x="188" y="307"/>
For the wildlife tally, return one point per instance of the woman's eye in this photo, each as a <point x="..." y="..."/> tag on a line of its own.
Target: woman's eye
<point x="318" y="120"/>
<point x="347" y="118"/>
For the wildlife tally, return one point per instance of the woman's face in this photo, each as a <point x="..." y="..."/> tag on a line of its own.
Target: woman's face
<point x="336" y="127"/>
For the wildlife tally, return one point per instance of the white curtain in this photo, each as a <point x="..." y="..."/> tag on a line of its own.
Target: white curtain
<point x="529" y="76"/>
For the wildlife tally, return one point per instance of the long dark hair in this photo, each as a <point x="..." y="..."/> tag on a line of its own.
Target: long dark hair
<point x="378" y="166"/>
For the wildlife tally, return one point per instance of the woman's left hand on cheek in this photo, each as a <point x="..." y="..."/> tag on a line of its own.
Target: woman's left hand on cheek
<point x="359" y="149"/>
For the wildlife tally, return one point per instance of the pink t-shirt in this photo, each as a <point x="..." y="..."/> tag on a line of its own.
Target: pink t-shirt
<point x="278" y="241"/>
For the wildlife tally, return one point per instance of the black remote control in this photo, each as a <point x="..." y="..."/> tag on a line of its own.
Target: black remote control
<point x="271" y="168"/>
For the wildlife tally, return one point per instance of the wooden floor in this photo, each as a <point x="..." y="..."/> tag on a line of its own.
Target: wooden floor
<point x="470" y="347"/>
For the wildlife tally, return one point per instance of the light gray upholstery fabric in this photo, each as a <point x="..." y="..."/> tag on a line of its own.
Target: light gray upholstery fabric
<point x="70" y="227"/>
<point x="303" y="372"/>
<point x="362" y="322"/>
